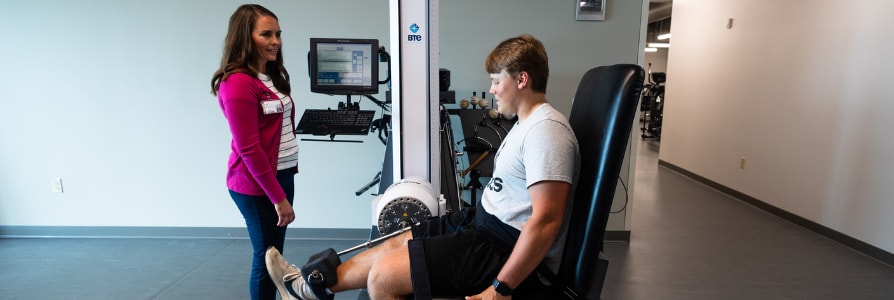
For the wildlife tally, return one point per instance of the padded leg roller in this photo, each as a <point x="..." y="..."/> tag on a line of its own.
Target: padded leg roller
<point x="319" y="272"/>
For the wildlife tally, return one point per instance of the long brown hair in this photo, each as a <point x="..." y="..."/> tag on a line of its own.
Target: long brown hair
<point x="239" y="51"/>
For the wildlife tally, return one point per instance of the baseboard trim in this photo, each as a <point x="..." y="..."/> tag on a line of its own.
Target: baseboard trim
<point x="617" y="236"/>
<point x="173" y="232"/>
<point x="858" y="245"/>
<point x="124" y="232"/>
<point x="204" y="233"/>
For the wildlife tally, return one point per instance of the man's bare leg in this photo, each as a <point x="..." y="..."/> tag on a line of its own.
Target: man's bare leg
<point x="384" y="268"/>
<point x="356" y="272"/>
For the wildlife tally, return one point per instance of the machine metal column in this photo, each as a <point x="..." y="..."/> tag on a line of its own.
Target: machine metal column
<point x="414" y="77"/>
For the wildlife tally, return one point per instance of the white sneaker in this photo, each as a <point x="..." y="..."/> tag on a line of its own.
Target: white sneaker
<point x="287" y="278"/>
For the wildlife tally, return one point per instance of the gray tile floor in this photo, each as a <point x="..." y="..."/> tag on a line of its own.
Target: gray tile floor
<point x="123" y="268"/>
<point x="688" y="242"/>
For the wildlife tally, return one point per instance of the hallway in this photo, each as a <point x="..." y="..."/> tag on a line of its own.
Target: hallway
<point x="689" y="241"/>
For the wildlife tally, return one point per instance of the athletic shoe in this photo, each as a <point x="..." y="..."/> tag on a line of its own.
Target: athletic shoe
<point x="287" y="278"/>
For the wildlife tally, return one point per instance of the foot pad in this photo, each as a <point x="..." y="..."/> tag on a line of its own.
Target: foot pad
<point x="320" y="272"/>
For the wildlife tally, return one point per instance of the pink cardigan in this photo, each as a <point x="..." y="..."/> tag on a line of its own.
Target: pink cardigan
<point x="252" y="165"/>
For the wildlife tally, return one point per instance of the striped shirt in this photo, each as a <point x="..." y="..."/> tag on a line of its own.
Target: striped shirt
<point x="288" y="144"/>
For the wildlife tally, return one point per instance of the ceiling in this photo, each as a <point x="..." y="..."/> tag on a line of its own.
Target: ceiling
<point x="659" y="19"/>
<point x="659" y="10"/>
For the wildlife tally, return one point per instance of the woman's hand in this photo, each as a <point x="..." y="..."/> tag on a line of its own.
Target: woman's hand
<point x="285" y="213"/>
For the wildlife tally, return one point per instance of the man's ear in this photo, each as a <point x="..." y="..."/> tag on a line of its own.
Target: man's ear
<point x="522" y="79"/>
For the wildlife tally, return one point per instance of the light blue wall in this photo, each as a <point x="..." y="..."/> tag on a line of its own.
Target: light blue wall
<point x="114" y="98"/>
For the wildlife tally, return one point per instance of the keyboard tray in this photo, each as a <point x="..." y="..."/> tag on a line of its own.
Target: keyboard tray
<point x="335" y="122"/>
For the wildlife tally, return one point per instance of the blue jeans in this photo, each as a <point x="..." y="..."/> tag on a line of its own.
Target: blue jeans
<point x="260" y="219"/>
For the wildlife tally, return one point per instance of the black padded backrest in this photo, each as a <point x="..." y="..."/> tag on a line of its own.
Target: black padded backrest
<point x="602" y="117"/>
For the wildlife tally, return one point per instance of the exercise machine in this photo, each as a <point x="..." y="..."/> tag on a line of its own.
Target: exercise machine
<point x="652" y="105"/>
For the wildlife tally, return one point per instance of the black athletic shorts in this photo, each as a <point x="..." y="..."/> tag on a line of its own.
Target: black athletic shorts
<point x="459" y="254"/>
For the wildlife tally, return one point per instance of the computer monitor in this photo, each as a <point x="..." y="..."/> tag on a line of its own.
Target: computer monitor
<point x="344" y="66"/>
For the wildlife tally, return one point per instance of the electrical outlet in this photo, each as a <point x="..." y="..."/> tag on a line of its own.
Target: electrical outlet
<point x="56" y="185"/>
<point x="742" y="163"/>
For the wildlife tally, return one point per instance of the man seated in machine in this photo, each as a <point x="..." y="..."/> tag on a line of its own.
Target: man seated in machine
<point x="494" y="249"/>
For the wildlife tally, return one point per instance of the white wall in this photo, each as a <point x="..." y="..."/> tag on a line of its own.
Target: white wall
<point x="114" y="98"/>
<point x="802" y="90"/>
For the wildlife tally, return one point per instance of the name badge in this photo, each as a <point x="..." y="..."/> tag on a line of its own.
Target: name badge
<point x="272" y="107"/>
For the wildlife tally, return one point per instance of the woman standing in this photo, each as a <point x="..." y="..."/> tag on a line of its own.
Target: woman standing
<point x="252" y="87"/>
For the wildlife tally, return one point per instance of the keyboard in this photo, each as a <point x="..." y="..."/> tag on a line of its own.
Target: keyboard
<point x="329" y="122"/>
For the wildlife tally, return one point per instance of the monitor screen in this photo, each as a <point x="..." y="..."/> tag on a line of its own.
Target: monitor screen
<point x="344" y="66"/>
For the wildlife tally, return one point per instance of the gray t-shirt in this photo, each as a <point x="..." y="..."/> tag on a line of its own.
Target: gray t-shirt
<point x="543" y="147"/>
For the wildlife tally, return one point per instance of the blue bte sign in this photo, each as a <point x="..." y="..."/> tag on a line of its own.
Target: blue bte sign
<point x="414" y="37"/>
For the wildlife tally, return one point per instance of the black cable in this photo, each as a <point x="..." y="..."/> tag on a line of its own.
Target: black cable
<point x="378" y="102"/>
<point x="499" y="136"/>
<point x="484" y="119"/>
<point x="386" y="58"/>
<point x="626" y="197"/>
<point x="626" y="192"/>
<point x="500" y="125"/>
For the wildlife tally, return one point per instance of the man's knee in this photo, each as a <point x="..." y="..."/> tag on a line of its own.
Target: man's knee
<point x="398" y="241"/>
<point x="390" y="276"/>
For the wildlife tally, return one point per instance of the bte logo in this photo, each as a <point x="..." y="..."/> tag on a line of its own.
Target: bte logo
<point x="414" y="37"/>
